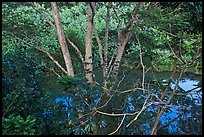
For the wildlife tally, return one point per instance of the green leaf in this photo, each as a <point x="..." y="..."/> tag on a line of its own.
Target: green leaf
<point x="188" y="43"/>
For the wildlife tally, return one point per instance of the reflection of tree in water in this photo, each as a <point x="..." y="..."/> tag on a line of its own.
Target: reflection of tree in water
<point x="187" y="110"/>
<point x="181" y="108"/>
<point x="181" y="102"/>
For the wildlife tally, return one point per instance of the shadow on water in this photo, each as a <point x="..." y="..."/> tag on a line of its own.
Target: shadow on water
<point x="183" y="114"/>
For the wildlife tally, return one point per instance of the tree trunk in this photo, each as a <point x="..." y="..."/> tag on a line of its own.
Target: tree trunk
<point x="62" y="40"/>
<point x="123" y="37"/>
<point x="88" y="56"/>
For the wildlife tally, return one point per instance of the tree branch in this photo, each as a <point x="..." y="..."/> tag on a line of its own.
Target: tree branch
<point x="154" y="129"/>
<point x="47" y="53"/>
<point x="36" y="6"/>
<point x="118" y="126"/>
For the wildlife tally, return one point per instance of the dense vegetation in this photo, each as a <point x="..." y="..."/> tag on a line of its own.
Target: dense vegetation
<point x="161" y="36"/>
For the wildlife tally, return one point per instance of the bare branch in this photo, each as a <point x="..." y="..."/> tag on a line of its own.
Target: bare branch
<point x="116" y="115"/>
<point x="47" y="53"/>
<point x="175" y="54"/>
<point x="171" y="121"/>
<point x="62" y="39"/>
<point x="106" y="102"/>
<point x="143" y="67"/>
<point x="136" y="9"/>
<point x="99" y="46"/>
<point x="132" y="90"/>
<point x="121" y="80"/>
<point x="145" y="105"/>
<point x="109" y="69"/>
<point x="154" y="129"/>
<point x="118" y="126"/>
<point x="36" y="6"/>
<point x="75" y="47"/>
<point x="176" y="9"/>
<point x="53" y="71"/>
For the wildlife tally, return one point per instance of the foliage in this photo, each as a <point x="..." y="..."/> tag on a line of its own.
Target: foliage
<point x="22" y="88"/>
<point x="68" y="82"/>
<point x="16" y="125"/>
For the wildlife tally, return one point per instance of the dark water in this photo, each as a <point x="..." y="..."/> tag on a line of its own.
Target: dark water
<point x="185" y="110"/>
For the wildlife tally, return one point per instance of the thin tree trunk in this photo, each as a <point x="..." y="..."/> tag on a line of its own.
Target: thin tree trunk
<point x="123" y="37"/>
<point x="62" y="40"/>
<point x="105" y="67"/>
<point x="106" y="40"/>
<point x="88" y="56"/>
<point x="122" y="41"/>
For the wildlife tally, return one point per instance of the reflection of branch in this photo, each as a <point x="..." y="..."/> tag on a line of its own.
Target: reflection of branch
<point x="118" y="126"/>
<point x="171" y="121"/>
<point x="154" y="129"/>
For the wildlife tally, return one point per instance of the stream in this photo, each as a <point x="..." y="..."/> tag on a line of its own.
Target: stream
<point x="184" y="113"/>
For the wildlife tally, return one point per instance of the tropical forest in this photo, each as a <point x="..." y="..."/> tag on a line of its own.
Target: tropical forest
<point x="101" y="68"/>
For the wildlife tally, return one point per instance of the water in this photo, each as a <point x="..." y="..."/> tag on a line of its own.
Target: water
<point x="179" y="110"/>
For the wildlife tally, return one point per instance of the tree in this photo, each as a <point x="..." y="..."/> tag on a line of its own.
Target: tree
<point x="88" y="55"/>
<point x="123" y="37"/>
<point x="62" y="40"/>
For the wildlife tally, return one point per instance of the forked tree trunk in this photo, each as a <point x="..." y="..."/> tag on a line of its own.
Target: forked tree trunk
<point x="62" y="40"/>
